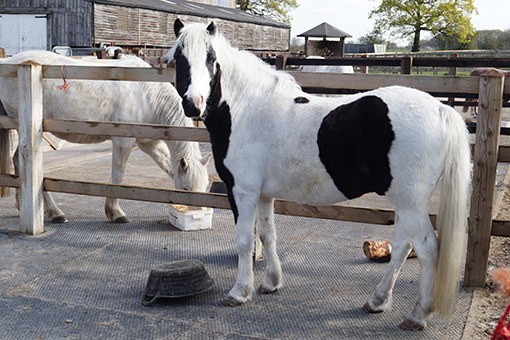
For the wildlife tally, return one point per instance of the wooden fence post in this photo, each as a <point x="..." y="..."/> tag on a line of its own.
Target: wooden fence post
<point x="280" y="62"/>
<point x="406" y="65"/>
<point x="364" y="69"/>
<point x="452" y="72"/>
<point x="484" y="177"/>
<point x="30" y="143"/>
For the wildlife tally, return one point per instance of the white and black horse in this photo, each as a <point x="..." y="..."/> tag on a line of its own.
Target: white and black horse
<point x="112" y="101"/>
<point x="272" y="140"/>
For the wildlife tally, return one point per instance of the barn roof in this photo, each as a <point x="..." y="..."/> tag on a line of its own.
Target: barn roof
<point x="325" y="30"/>
<point x="195" y="9"/>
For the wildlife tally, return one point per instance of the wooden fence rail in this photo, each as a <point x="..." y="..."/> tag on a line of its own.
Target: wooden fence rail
<point x="407" y="62"/>
<point x="30" y="126"/>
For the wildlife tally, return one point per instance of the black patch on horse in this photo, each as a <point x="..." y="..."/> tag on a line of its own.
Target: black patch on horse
<point x="301" y="100"/>
<point x="219" y="124"/>
<point x="354" y="141"/>
<point x="182" y="72"/>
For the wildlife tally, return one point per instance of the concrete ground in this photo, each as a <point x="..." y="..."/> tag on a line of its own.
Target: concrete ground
<point x="85" y="279"/>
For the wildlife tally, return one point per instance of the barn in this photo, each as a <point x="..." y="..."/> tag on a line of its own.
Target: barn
<point x="43" y="24"/>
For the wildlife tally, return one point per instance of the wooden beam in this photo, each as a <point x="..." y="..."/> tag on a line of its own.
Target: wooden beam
<point x="164" y="132"/>
<point x="54" y="144"/>
<point x="134" y="130"/>
<point x="364" y="82"/>
<point x="7" y="70"/>
<point x="338" y="212"/>
<point x="484" y="178"/>
<point x="9" y="180"/>
<point x="110" y="73"/>
<point x="8" y="122"/>
<point x="30" y="93"/>
<point x="368" y="215"/>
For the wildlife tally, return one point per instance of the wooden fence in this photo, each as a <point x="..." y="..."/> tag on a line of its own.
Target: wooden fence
<point x="405" y="63"/>
<point x="30" y="125"/>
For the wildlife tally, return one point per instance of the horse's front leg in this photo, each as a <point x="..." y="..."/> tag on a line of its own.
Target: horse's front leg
<point x="245" y="237"/>
<point x="121" y="150"/>
<point x="51" y="210"/>
<point x="273" y="279"/>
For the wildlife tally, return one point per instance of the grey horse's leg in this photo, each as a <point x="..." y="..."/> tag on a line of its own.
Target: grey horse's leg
<point x="121" y="150"/>
<point x="51" y="210"/>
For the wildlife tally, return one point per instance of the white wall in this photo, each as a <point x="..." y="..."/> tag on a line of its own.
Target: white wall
<point x="23" y="32"/>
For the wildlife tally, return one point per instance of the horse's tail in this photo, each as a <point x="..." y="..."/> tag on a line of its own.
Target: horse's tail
<point x="453" y="211"/>
<point x="5" y="154"/>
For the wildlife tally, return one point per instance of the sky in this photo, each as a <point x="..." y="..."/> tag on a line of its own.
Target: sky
<point x="351" y="16"/>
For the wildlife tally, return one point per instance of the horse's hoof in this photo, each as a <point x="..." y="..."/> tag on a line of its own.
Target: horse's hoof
<point x="231" y="302"/>
<point x="59" y="219"/>
<point x="264" y="290"/>
<point x="122" y="219"/>
<point x="412" y="325"/>
<point x="368" y="309"/>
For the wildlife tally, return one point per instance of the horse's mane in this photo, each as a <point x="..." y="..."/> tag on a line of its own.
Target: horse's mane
<point x="252" y="64"/>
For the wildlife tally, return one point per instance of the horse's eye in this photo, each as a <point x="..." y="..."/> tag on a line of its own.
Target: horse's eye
<point x="211" y="58"/>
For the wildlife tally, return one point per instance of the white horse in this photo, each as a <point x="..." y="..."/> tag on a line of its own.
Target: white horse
<point x="114" y="101"/>
<point x="271" y="140"/>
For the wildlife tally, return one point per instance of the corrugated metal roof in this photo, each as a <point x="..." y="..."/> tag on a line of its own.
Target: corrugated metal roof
<point x="194" y="8"/>
<point x="325" y="30"/>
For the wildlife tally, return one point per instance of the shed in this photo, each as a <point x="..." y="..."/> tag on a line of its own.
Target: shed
<point x="127" y="23"/>
<point x="325" y="46"/>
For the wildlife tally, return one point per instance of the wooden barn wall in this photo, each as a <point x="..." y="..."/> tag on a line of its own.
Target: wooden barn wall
<point x="143" y="27"/>
<point x="69" y="21"/>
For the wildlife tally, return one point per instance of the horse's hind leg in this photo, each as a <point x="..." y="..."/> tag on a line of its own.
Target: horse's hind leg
<point x="413" y="228"/>
<point x="273" y="280"/>
<point x="121" y="150"/>
<point x="401" y="246"/>
<point x="51" y="210"/>
<point x="426" y="246"/>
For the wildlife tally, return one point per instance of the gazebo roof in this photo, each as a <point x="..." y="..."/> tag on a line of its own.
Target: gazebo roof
<point x="325" y="30"/>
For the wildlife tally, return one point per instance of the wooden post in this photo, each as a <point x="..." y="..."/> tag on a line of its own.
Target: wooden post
<point x="452" y="72"/>
<point x="280" y="62"/>
<point x="30" y="143"/>
<point x="406" y="65"/>
<point x="484" y="177"/>
<point x="364" y="68"/>
<point x="101" y="54"/>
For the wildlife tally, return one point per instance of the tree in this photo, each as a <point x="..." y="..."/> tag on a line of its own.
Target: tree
<point x="374" y="37"/>
<point x="493" y="39"/>
<point x="277" y="10"/>
<point x="451" y="42"/>
<point x="409" y="18"/>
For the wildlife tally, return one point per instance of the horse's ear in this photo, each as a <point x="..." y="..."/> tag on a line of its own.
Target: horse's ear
<point x="178" y="25"/>
<point x="212" y="28"/>
<point x="204" y="160"/>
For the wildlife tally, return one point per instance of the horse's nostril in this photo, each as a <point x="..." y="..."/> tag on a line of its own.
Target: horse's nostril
<point x="190" y="109"/>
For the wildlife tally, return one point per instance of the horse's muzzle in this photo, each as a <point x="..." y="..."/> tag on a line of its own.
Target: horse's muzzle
<point x="190" y="110"/>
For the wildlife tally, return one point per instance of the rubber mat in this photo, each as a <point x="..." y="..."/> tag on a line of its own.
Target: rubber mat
<point x="84" y="280"/>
